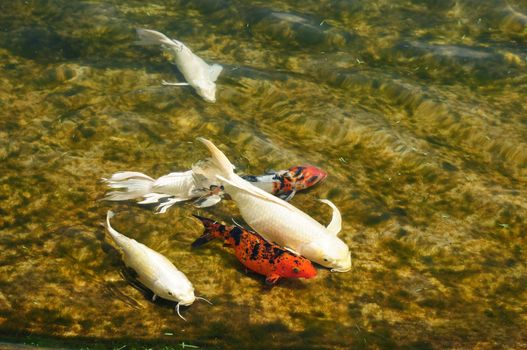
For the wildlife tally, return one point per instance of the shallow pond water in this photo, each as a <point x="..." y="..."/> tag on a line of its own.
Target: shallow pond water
<point x="416" y="109"/>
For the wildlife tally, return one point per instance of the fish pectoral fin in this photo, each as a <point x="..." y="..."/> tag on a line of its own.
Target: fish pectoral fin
<point x="214" y="72"/>
<point x="163" y="207"/>
<point x="153" y="197"/>
<point x="287" y="196"/>
<point x="207" y="201"/>
<point x="335" y="225"/>
<point x="166" y="83"/>
<point x="154" y="297"/>
<point x="271" y="279"/>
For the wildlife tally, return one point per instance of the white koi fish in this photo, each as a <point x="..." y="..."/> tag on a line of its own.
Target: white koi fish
<point x="165" y="191"/>
<point x="278" y="221"/>
<point x="178" y="187"/>
<point x="198" y="74"/>
<point x="154" y="271"/>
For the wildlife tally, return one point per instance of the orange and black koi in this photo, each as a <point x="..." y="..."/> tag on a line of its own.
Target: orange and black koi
<point x="285" y="183"/>
<point x="256" y="253"/>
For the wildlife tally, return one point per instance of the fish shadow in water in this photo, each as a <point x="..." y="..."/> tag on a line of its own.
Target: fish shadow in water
<point x="288" y="283"/>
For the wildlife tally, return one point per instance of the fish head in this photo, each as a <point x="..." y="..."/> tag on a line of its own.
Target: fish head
<point x="207" y="90"/>
<point x="343" y="264"/>
<point x="329" y="252"/>
<point x="178" y="288"/>
<point x="297" y="267"/>
<point x="184" y="297"/>
<point x="187" y="299"/>
<point x="305" y="176"/>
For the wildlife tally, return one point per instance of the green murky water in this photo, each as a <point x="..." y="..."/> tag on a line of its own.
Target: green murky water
<point x="416" y="109"/>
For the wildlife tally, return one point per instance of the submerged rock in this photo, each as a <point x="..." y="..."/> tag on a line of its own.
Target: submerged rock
<point x="296" y="29"/>
<point x="448" y="62"/>
<point x="42" y="43"/>
<point x="514" y="22"/>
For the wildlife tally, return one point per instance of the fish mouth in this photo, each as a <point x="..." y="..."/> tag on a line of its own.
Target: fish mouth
<point x="345" y="265"/>
<point x="187" y="301"/>
<point x="323" y="177"/>
<point x="343" y="269"/>
<point x="209" y="96"/>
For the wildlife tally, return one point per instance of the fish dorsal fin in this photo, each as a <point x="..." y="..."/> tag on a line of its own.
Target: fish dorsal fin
<point x="214" y="71"/>
<point x="253" y="190"/>
<point x="335" y="225"/>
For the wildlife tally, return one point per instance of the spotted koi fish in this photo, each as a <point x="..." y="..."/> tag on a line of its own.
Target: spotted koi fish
<point x="285" y="183"/>
<point x="256" y="253"/>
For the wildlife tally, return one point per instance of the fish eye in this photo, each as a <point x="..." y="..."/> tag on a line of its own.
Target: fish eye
<point x="169" y="293"/>
<point x="326" y="260"/>
<point x="296" y="270"/>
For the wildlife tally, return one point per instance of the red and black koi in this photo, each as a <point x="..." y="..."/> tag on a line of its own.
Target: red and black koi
<point x="255" y="253"/>
<point x="285" y="183"/>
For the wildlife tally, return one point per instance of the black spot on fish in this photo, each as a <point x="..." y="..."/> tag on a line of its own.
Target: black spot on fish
<point x="254" y="253"/>
<point x="298" y="171"/>
<point x="297" y="262"/>
<point x="277" y="252"/>
<point x="250" y="178"/>
<point x="236" y="234"/>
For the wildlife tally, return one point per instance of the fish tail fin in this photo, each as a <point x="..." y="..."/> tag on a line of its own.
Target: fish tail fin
<point x="211" y="231"/>
<point x="128" y="185"/>
<point x="151" y="37"/>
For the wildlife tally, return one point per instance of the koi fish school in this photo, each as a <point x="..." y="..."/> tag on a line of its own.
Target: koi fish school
<point x="285" y="240"/>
